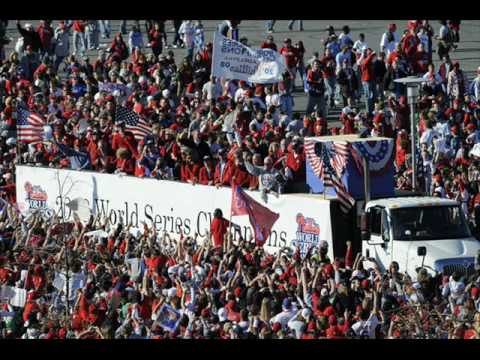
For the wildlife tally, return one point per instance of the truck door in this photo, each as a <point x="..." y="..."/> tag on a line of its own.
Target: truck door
<point x="380" y="235"/>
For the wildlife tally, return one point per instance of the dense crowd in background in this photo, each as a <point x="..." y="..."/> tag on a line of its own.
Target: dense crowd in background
<point x="223" y="132"/>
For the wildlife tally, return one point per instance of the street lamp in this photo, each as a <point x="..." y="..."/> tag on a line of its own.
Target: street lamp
<point x="413" y="90"/>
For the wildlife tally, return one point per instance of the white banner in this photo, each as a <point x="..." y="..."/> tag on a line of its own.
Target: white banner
<point x="233" y="60"/>
<point x="172" y="206"/>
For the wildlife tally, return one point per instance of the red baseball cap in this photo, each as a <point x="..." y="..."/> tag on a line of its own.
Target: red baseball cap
<point x="276" y="327"/>
<point x="474" y="292"/>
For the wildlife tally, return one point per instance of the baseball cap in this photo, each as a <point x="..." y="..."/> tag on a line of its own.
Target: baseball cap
<point x="306" y="313"/>
<point x="172" y="292"/>
<point x="474" y="292"/>
<point x="276" y="327"/>
<point x="222" y="314"/>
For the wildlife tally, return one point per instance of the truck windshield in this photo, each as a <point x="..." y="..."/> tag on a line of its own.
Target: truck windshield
<point x="429" y="223"/>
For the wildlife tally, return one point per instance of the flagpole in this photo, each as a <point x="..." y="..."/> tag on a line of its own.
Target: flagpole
<point x="230" y="219"/>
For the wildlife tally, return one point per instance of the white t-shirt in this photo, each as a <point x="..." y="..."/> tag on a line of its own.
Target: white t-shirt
<point x="358" y="46"/>
<point x="283" y="318"/>
<point x="212" y="91"/>
<point x="366" y="328"/>
<point x="188" y="32"/>
<point x="389" y="46"/>
<point x="239" y="93"/>
<point x="427" y="137"/>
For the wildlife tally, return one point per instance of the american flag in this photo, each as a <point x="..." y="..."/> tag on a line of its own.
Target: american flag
<point x="139" y="127"/>
<point x="29" y="126"/>
<point x="329" y="167"/>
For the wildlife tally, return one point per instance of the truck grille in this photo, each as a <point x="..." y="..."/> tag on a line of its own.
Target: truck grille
<point x="448" y="267"/>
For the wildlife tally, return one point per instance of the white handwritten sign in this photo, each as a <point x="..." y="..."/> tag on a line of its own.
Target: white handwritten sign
<point x="233" y="60"/>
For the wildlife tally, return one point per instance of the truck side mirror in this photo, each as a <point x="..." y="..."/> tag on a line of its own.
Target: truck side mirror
<point x="421" y="251"/>
<point x="365" y="226"/>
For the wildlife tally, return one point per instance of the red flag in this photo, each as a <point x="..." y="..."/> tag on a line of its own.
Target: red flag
<point x="261" y="218"/>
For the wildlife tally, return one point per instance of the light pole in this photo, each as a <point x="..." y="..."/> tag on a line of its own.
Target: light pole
<point x="413" y="90"/>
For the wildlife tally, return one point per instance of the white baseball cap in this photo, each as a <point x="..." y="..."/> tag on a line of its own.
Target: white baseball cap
<point x="172" y="292"/>
<point x="166" y="93"/>
<point x="222" y="314"/>
<point x="306" y="312"/>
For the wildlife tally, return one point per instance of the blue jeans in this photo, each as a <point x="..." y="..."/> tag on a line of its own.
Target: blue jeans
<point x="316" y="103"/>
<point x="123" y="27"/>
<point x="369" y="93"/>
<point x="286" y="104"/>
<point x="271" y="24"/>
<point x="190" y="53"/>
<point x="91" y="33"/>
<point x="58" y="61"/>
<point x="331" y="87"/>
<point x="105" y="28"/>
<point x="300" y="24"/>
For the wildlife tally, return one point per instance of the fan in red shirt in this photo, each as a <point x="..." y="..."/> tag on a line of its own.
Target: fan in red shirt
<point x="269" y="43"/>
<point x="296" y="162"/>
<point x="219" y="228"/>
<point x="9" y="188"/>
<point x="410" y="42"/>
<point x="206" y="172"/>
<point x="292" y="57"/>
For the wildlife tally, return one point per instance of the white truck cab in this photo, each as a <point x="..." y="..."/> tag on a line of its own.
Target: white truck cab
<point x="419" y="231"/>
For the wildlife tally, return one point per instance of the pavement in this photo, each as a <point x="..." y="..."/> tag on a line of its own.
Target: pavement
<point x="468" y="52"/>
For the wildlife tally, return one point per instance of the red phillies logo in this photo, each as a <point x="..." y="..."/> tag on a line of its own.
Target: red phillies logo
<point x="307" y="225"/>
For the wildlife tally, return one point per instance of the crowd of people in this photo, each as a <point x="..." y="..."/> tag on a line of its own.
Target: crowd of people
<point x="221" y="132"/>
<point x="219" y="287"/>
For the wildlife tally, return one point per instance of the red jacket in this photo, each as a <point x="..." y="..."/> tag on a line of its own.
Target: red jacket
<point x="206" y="175"/>
<point x="409" y="45"/>
<point x="11" y="192"/>
<point x="46" y="34"/>
<point x="218" y="229"/>
<point x="240" y="176"/>
<point x="189" y="172"/>
<point x="126" y="165"/>
<point x="79" y="26"/>
<point x="291" y="56"/>
<point x="223" y="178"/>
<point x="297" y="165"/>
<point x="367" y="68"/>
<point x="127" y="141"/>
<point x="348" y="124"/>
<point x="266" y="45"/>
